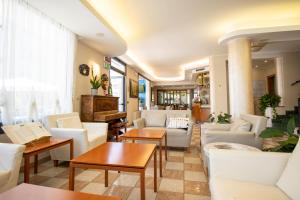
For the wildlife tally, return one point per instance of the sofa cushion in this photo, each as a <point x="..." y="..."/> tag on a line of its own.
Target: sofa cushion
<point x="175" y="115"/>
<point x="232" y="189"/>
<point x="178" y="122"/>
<point x="69" y="122"/>
<point x="155" y="119"/>
<point x="95" y="140"/>
<point x="240" y="125"/>
<point x="290" y="179"/>
<point x="176" y="131"/>
<point x="4" y="176"/>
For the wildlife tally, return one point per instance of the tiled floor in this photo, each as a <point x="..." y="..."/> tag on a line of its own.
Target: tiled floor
<point x="183" y="178"/>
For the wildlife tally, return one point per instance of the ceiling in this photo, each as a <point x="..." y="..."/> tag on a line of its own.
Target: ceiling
<point x="90" y="29"/>
<point x="163" y="36"/>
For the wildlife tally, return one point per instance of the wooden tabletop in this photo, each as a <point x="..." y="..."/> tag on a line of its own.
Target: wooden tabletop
<point x="118" y="154"/>
<point x="44" y="145"/>
<point x="34" y="192"/>
<point x="158" y="133"/>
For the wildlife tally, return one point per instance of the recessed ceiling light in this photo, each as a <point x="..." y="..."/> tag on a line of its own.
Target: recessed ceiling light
<point x="265" y="61"/>
<point x="256" y="66"/>
<point x="100" y="34"/>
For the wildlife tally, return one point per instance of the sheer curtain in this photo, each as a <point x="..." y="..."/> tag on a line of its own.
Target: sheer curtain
<point x="36" y="64"/>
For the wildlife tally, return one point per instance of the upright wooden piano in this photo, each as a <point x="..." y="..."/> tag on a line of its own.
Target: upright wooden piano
<point x="95" y="108"/>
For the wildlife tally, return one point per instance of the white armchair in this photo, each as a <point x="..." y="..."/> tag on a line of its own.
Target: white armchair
<point x="251" y="175"/>
<point x="86" y="136"/>
<point x="245" y="130"/>
<point x="10" y="162"/>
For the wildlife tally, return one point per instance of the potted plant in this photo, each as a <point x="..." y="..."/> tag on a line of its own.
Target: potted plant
<point x="268" y="103"/>
<point x="222" y="118"/>
<point x="283" y="140"/>
<point x="95" y="82"/>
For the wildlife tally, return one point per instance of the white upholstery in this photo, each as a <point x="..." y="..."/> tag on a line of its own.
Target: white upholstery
<point x="176" y="137"/>
<point x="290" y="179"/>
<point x="246" y="174"/>
<point x="235" y="132"/>
<point x="85" y="135"/>
<point x="10" y="162"/>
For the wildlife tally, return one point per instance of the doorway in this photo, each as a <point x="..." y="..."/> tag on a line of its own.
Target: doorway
<point x="271" y="84"/>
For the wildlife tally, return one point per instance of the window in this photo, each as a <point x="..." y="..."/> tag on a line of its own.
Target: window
<point x="117" y="77"/>
<point x="144" y="93"/>
<point x="36" y="59"/>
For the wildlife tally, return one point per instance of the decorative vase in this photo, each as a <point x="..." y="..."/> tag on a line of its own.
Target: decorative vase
<point x="269" y="115"/>
<point x="94" y="91"/>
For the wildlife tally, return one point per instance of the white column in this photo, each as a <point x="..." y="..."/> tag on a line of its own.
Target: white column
<point x="280" y="79"/>
<point x="240" y="77"/>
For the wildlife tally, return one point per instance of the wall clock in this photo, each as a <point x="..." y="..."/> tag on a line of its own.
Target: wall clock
<point x="84" y="69"/>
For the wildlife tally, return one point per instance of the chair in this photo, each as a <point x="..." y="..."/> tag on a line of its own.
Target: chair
<point x="10" y="162"/>
<point x="86" y="136"/>
<point x="245" y="130"/>
<point x="251" y="175"/>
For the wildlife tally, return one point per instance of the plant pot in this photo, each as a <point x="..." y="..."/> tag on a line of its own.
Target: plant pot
<point x="269" y="115"/>
<point x="94" y="91"/>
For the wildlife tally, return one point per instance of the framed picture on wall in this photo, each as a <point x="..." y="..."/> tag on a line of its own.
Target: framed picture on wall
<point x="133" y="89"/>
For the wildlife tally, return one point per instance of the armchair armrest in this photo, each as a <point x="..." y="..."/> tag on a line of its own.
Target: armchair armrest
<point x="139" y="123"/>
<point x="259" y="167"/>
<point x="79" y="136"/>
<point x="10" y="155"/>
<point x="190" y="128"/>
<point x="241" y="137"/>
<point x="216" y="126"/>
<point x="96" y="128"/>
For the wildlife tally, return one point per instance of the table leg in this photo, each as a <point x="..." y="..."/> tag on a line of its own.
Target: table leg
<point x="26" y="169"/>
<point x="71" y="177"/>
<point x="155" y="172"/>
<point x="71" y="149"/>
<point x="142" y="184"/>
<point x="106" y="178"/>
<point x="36" y="158"/>
<point x="55" y="163"/>
<point x="166" y="147"/>
<point x="160" y="158"/>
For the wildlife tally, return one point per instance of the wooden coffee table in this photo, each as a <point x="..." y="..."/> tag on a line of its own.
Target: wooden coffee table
<point x="150" y="135"/>
<point x="117" y="156"/>
<point x="36" y="148"/>
<point x="34" y="192"/>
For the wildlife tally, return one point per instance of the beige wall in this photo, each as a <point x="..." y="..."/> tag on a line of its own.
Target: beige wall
<point x="132" y="103"/>
<point x="85" y="55"/>
<point x="291" y="73"/>
<point x="218" y="84"/>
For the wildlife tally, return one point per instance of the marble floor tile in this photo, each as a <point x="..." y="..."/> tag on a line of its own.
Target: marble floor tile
<point x="87" y="175"/>
<point x="174" y="165"/>
<point x="171" y="185"/>
<point x="195" y="197"/>
<point x="94" y="188"/>
<point x="192" y="160"/>
<point x="149" y="182"/>
<point x="163" y="195"/>
<point x="54" y="182"/>
<point x="52" y="172"/>
<point x="173" y="174"/>
<point x="119" y="191"/>
<point x="196" y="187"/>
<point x="175" y="159"/>
<point x="193" y="167"/>
<point x="136" y="195"/>
<point x="126" y="180"/>
<point x="176" y="153"/>
<point x="194" y="176"/>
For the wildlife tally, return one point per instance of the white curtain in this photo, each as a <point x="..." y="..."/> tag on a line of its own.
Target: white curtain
<point x="36" y="64"/>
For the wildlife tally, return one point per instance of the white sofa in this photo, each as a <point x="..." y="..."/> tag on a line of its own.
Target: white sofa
<point x="86" y="136"/>
<point x="10" y="163"/>
<point x="248" y="175"/>
<point x="159" y="119"/>
<point x="235" y="132"/>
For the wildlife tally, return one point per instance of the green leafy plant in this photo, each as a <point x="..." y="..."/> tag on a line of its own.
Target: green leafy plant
<point x="95" y="81"/>
<point x="224" y="118"/>
<point x="269" y="100"/>
<point x="287" y="145"/>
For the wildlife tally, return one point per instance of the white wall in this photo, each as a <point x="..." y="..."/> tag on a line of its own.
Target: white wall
<point x="218" y="84"/>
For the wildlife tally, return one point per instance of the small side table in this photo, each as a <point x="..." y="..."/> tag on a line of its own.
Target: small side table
<point x="34" y="149"/>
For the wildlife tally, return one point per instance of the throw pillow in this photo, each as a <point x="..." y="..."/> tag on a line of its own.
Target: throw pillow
<point x="69" y="122"/>
<point x="179" y="122"/>
<point x="290" y="178"/>
<point x="240" y="125"/>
